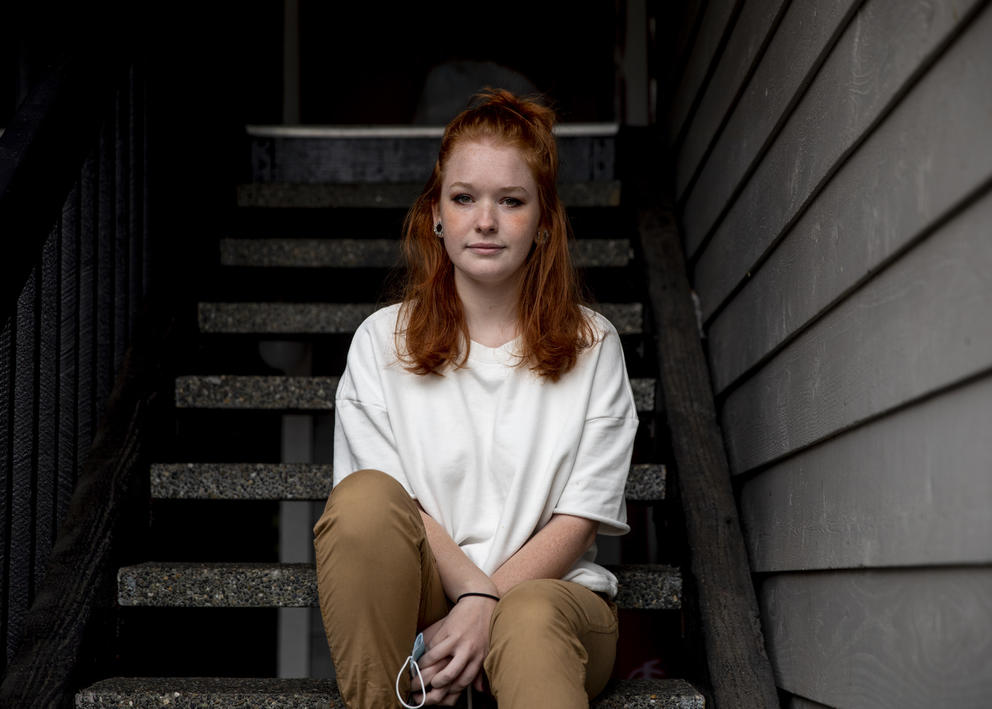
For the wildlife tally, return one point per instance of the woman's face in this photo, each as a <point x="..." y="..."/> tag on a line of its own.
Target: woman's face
<point x="490" y="213"/>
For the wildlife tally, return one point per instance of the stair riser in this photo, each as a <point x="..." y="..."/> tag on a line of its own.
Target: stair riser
<point x="179" y="585"/>
<point x="302" y="393"/>
<point x="392" y="195"/>
<point x="341" y="318"/>
<point x="250" y="693"/>
<point x="400" y="159"/>
<point x="381" y="253"/>
<point x="254" y="481"/>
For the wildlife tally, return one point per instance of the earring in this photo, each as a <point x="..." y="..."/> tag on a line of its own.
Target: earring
<point x="542" y="237"/>
<point x="438" y="229"/>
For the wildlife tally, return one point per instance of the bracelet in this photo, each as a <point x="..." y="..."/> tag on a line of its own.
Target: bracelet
<point x="476" y="593"/>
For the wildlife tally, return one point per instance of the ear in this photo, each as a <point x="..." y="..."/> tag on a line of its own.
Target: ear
<point x="435" y="213"/>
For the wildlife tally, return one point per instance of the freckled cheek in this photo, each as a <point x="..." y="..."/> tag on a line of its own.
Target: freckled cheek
<point x="522" y="222"/>
<point x="454" y="222"/>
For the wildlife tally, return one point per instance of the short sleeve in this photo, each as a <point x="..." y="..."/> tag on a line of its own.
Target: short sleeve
<point x="363" y="435"/>
<point x="595" y="488"/>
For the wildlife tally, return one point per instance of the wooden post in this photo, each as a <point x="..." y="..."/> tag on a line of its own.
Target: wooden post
<point x="740" y="672"/>
<point x="291" y="62"/>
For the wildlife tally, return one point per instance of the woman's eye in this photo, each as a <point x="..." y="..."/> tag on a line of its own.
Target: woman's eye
<point x="512" y="202"/>
<point x="462" y="198"/>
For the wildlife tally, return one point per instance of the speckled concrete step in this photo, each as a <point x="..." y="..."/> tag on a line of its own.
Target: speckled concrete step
<point x="381" y="253"/>
<point x="342" y="318"/>
<point x="302" y="481"/>
<point x="300" y="393"/>
<point x="394" y="195"/>
<point x="586" y="151"/>
<point x="265" y="585"/>
<point x="250" y="693"/>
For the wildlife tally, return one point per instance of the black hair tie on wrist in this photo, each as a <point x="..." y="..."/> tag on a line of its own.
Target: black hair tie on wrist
<point x="476" y="593"/>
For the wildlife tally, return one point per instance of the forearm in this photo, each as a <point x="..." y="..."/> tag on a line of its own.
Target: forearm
<point x="459" y="574"/>
<point x="549" y="554"/>
<point x="457" y="644"/>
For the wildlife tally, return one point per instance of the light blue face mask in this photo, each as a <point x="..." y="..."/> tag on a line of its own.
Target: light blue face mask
<point x="419" y="648"/>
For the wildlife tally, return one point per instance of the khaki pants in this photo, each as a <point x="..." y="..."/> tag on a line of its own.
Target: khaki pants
<point x="552" y="643"/>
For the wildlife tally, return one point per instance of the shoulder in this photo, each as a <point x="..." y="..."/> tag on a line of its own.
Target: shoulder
<point x="604" y="357"/>
<point x="374" y="342"/>
<point x="371" y="352"/>
<point x="380" y="326"/>
<point x="601" y="326"/>
<point x="383" y="318"/>
<point x="606" y="339"/>
<point x="610" y="392"/>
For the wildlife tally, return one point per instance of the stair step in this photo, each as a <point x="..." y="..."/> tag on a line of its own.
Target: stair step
<point x="249" y="693"/>
<point x="343" y="318"/>
<point x="604" y="193"/>
<point x="381" y="253"/>
<point x="301" y="393"/>
<point x="267" y="585"/>
<point x="306" y="481"/>
<point x="402" y="153"/>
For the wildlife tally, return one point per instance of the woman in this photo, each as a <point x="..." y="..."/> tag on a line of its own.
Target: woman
<point x="491" y="422"/>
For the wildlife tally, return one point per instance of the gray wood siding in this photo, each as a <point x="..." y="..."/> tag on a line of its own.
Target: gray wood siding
<point x="874" y="208"/>
<point x="753" y="27"/>
<point x="834" y="183"/>
<point x="921" y="325"/>
<point x="911" y="489"/>
<point x="716" y="21"/>
<point x="794" y="52"/>
<point x="912" y="639"/>
<point x="864" y="75"/>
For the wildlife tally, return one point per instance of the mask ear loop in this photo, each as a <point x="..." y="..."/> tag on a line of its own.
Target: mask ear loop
<point x="414" y="671"/>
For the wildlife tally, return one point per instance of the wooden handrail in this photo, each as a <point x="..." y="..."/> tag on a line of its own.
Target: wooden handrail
<point x="94" y="538"/>
<point x="72" y="280"/>
<point x="740" y="672"/>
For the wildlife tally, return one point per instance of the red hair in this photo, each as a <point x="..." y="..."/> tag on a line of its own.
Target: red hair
<point x="552" y="326"/>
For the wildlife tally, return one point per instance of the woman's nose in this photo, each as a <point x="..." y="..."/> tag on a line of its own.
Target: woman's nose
<point x="487" y="221"/>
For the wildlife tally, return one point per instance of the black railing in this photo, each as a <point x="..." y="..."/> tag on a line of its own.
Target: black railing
<point x="73" y="275"/>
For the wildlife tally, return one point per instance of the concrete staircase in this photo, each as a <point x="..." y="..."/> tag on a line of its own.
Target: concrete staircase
<point x="292" y="289"/>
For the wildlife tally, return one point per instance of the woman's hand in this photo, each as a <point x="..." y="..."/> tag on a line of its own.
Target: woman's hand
<point x="456" y="648"/>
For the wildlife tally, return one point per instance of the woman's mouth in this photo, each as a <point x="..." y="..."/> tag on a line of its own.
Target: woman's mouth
<point x="485" y="249"/>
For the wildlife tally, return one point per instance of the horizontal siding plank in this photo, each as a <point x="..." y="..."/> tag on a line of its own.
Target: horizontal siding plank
<point x="878" y="53"/>
<point x="871" y="209"/>
<point x="911" y="489"/>
<point x="751" y="30"/>
<point x="715" y="19"/>
<point x="800" y="43"/>
<point x="914" y="639"/>
<point x="921" y="325"/>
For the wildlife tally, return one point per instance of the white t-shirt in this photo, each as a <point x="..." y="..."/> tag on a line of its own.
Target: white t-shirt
<point x="492" y="450"/>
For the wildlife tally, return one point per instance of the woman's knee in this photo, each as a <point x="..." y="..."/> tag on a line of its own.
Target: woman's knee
<point x="551" y="611"/>
<point x="360" y="503"/>
<point x="530" y="607"/>
<point x="367" y="485"/>
<point x="552" y="628"/>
